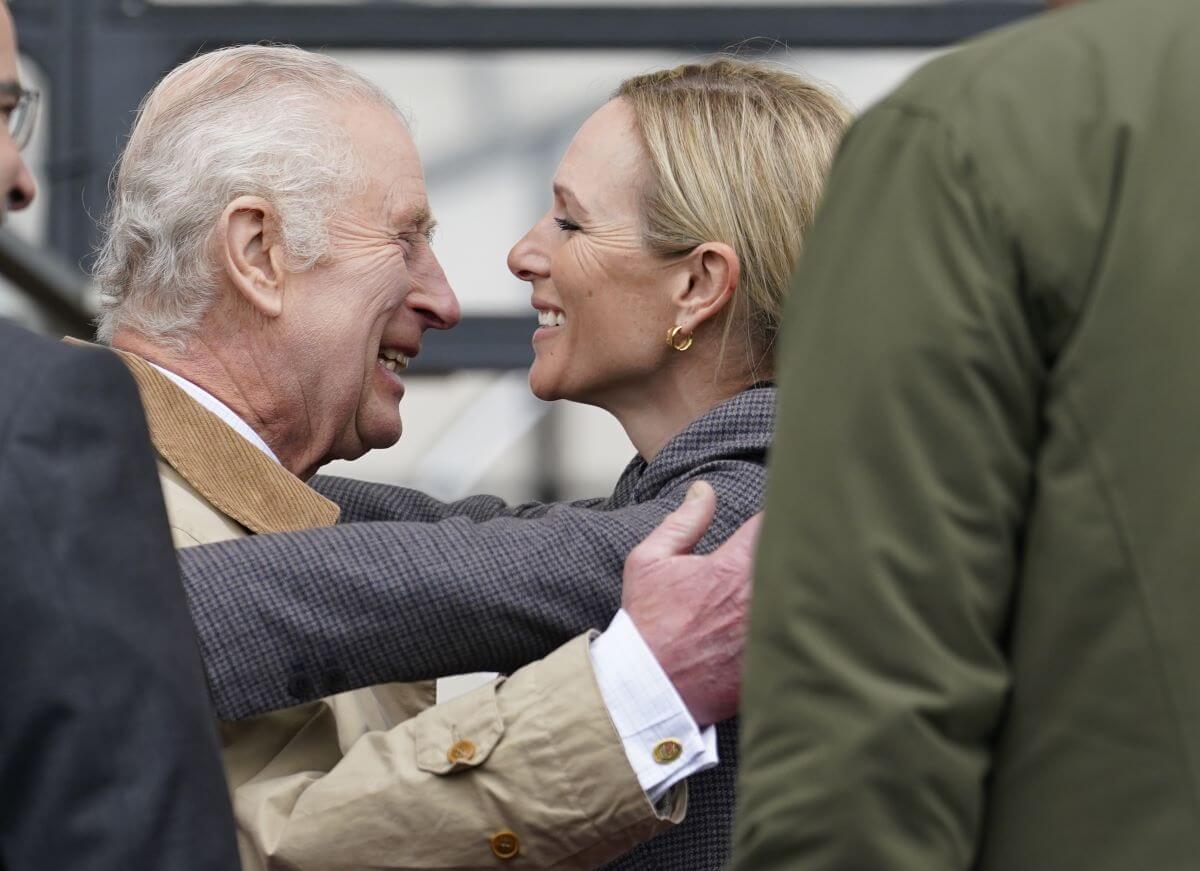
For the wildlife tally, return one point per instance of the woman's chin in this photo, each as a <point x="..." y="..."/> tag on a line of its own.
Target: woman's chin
<point x="549" y="385"/>
<point x="541" y="389"/>
<point x="542" y="380"/>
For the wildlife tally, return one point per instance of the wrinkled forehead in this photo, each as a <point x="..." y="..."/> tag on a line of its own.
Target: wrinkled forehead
<point x="394" y="180"/>
<point x="605" y="165"/>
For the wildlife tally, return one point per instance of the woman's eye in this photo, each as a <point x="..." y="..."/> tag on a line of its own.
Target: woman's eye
<point x="566" y="225"/>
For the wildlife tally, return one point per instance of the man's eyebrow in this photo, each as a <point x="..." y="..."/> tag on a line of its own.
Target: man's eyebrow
<point x="419" y="217"/>
<point x="11" y="88"/>
<point x="565" y="193"/>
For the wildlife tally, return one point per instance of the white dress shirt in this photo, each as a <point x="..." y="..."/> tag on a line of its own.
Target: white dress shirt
<point x="646" y="709"/>
<point x="641" y="700"/>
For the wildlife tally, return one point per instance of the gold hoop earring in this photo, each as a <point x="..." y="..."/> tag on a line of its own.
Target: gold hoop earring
<point x="672" y="335"/>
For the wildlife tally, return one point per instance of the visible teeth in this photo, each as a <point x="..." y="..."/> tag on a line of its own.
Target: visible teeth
<point x="393" y="359"/>
<point x="551" y="319"/>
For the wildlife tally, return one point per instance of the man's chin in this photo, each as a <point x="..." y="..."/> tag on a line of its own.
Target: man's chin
<point x="378" y="442"/>
<point x="381" y="437"/>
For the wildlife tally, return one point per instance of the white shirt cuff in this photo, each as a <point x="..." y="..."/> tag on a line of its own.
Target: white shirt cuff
<point x="647" y="710"/>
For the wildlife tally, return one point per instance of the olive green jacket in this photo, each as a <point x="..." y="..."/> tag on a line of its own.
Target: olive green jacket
<point x="975" y="641"/>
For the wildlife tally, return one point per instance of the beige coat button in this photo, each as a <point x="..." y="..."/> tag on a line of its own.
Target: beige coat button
<point x="505" y="844"/>
<point x="667" y="751"/>
<point x="461" y="751"/>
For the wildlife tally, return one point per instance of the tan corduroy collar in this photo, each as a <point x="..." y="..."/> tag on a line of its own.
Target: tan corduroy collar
<point x="237" y="478"/>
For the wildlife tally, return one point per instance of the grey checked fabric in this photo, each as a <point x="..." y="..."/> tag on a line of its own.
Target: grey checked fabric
<point x="409" y="588"/>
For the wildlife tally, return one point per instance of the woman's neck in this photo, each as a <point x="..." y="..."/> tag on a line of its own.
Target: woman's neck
<point x="652" y="415"/>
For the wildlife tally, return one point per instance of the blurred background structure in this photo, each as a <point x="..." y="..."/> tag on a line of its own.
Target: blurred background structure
<point x="495" y="92"/>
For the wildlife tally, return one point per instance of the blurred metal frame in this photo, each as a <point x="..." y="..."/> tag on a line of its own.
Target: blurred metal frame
<point x="57" y="290"/>
<point x="100" y="58"/>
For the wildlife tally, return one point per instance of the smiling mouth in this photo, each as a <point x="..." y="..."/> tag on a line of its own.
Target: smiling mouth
<point x="393" y="360"/>
<point x="550" y="318"/>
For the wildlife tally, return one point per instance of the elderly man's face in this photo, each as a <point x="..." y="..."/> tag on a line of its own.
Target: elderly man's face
<point x="359" y="316"/>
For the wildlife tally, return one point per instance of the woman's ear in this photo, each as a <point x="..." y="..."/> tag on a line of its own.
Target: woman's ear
<point x="251" y="253"/>
<point x="712" y="276"/>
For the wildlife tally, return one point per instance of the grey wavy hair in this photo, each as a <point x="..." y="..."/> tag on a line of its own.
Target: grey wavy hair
<point x="250" y="120"/>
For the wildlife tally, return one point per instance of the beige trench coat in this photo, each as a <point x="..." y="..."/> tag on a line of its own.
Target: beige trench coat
<point x="526" y="772"/>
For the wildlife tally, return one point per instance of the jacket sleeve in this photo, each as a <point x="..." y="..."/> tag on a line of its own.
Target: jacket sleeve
<point x="902" y="467"/>
<point x="108" y="754"/>
<point x="404" y="798"/>
<point x="288" y="618"/>
<point x="366" y="501"/>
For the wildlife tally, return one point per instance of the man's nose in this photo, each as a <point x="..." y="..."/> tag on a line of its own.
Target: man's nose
<point x="433" y="298"/>
<point x="21" y="186"/>
<point x="527" y="260"/>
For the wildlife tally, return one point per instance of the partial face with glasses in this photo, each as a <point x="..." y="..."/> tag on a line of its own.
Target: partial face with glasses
<point x="18" y="107"/>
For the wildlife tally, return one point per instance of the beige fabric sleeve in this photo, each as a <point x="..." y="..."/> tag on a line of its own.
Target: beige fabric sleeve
<point x="538" y="757"/>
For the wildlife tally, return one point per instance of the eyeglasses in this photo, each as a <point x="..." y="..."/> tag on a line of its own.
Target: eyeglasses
<point x="22" y="115"/>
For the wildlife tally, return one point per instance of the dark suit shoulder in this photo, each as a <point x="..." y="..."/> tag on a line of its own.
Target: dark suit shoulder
<point x="30" y="363"/>
<point x="21" y="355"/>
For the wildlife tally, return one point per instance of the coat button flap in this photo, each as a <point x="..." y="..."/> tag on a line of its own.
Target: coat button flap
<point x="460" y="733"/>
<point x="461" y="751"/>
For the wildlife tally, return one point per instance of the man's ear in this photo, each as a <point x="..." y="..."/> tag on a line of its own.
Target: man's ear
<point x="712" y="271"/>
<point x="251" y="253"/>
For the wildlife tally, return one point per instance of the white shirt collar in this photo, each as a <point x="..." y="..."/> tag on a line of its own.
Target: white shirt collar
<point x="220" y="409"/>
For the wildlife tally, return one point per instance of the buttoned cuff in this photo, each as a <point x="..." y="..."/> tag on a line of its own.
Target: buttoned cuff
<point x="662" y="741"/>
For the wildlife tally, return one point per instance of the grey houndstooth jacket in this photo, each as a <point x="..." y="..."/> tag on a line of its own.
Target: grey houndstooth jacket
<point x="408" y="588"/>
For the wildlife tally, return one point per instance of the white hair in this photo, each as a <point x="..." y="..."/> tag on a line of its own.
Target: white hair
<point x="252" y="120"/>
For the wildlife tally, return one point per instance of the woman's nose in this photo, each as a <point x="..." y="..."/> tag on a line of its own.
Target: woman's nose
<point x="528" y="259"/>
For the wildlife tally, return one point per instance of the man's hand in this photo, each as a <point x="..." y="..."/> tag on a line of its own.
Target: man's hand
<point x="692" y="609"/>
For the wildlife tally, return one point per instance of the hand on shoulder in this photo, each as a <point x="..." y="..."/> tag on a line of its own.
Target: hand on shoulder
<point x="691" y="610"/>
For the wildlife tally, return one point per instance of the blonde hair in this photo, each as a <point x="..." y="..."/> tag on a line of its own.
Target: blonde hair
<point x="738" y="154"/>
<point x="248" y="120"/>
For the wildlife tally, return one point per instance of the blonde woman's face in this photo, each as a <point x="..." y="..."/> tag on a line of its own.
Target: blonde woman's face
<point x="602" y="299"/>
